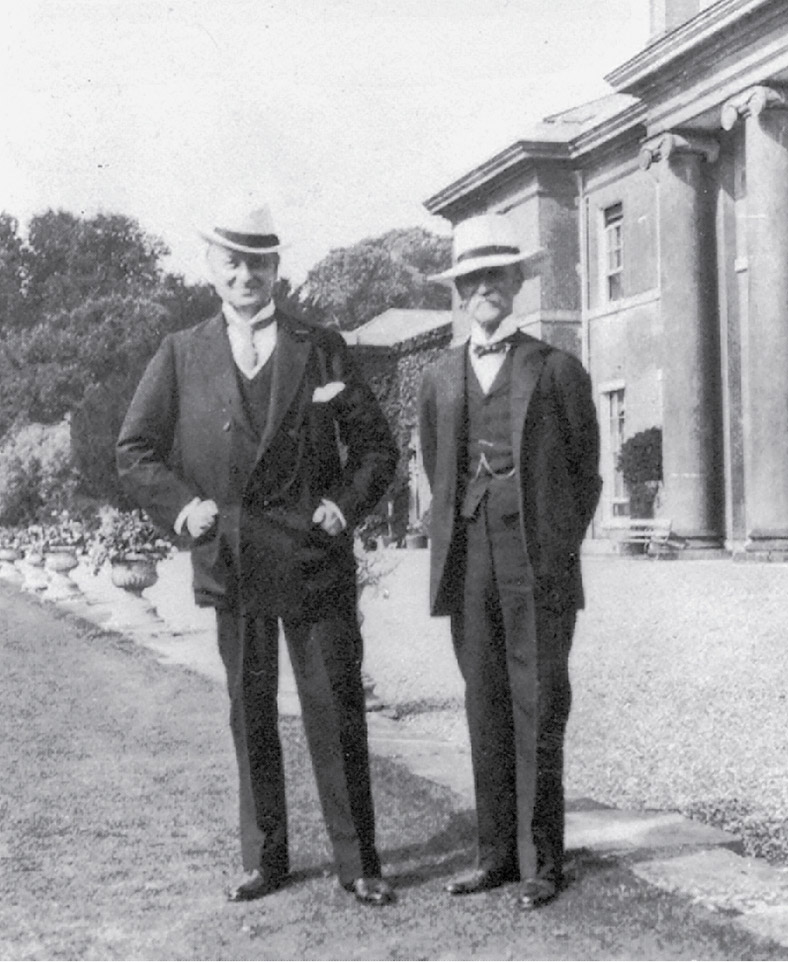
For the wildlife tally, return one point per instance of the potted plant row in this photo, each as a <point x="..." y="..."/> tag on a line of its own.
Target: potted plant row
<point x="132" y="545"/>
<point x="42" y="556"/>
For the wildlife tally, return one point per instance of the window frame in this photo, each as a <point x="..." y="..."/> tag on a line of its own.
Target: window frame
<point x="614" y="408"/>
<point x="612" y="252"/>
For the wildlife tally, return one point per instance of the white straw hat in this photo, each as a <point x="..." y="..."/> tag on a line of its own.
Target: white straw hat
<point x="484" y="241"/>
<point x="244" y="230"/>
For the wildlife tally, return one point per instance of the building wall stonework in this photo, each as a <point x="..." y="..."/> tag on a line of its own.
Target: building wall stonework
<point x="661" y="210"/>
<point x="621" y="182"/>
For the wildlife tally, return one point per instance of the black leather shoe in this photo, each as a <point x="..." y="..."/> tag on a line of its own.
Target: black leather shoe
<point x="371" y="891"/>
<point x="478" y="880"/>
<point x="255" y="885"/>
<point x="536" y="892"/>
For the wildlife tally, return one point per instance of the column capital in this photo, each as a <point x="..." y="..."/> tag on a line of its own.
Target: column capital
<point x="751" y="103"/>
<point x="668" y="144"/>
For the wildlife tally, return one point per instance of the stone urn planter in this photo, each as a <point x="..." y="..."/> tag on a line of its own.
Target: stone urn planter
<point x="32" y="568"/>
<point x="8" y="569"/>
<point x="416" y="540"/>
<point x="134" y="573"/>
<point x="60" y="561"/>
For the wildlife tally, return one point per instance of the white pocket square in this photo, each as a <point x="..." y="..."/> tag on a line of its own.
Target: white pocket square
<point x="327" y="392"/>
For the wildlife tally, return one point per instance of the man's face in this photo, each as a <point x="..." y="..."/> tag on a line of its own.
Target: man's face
<point x="487" y="296"/>
<point x="244" y="281"/>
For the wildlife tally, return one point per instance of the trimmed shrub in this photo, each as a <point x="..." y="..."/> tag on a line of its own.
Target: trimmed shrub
<point x="640" y="463"/>
<point x="37" y="475"/>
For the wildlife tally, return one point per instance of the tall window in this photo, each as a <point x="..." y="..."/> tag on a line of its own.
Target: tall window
<point x="619" y="499"/>
<point x="613" y="220"/>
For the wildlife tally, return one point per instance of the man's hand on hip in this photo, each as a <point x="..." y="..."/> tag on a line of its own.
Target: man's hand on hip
<point x="201" y="517"/>
<point x="329" y="517"/>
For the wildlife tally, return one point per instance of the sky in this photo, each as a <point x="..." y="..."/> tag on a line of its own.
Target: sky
<point x="343" y="115"/>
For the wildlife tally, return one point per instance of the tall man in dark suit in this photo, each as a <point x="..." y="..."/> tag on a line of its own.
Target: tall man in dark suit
<point x="232" y="437"/>
<point x="510" y="443"/>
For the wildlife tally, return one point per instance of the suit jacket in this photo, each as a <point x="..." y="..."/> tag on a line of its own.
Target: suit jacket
<point x="177" y="439"/>
<point x="555" y="441"/>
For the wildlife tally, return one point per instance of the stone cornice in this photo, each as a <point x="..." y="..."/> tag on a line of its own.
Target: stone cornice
<point x="667" y="145"/>
<point x="525" y="155"/>
<point x="751" y="103"/>
<point x="623" y="123"/>
<point x="679" y="77"/>
<point x="639" y="73"/>
<point x="516" y="158"/>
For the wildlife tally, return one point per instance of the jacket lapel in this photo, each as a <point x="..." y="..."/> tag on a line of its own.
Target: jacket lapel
<point x="218" y="369"/>
<point x="450" y="414"/>
<point x="289" y="359"/>
<point x="527" y="361"/>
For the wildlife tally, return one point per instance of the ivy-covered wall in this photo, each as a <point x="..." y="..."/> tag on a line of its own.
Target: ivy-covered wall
<point x="394" y="374"/>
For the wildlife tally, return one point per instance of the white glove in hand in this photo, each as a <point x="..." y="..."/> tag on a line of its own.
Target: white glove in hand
<point x="201" y="517"/>
<point x="329" y="517"/>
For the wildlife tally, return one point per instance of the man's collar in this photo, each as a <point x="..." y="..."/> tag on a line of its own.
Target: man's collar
<point x="233" y="317"/>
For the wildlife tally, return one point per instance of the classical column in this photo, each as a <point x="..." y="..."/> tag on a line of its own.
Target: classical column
<point x="765" y="355"/>
<point x="691" y="437"/>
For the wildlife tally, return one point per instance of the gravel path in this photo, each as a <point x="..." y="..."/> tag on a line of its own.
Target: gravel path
<point x="680" y="672"/>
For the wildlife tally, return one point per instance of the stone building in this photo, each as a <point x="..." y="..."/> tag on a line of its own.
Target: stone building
<point x="663" y="212"/>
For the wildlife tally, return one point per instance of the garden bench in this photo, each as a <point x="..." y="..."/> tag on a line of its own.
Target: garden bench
<point x="654" y="534"/>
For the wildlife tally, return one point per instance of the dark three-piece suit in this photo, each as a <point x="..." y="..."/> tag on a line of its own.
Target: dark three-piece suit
<point x="267" y="450"/>
<point x="514" y="479"/>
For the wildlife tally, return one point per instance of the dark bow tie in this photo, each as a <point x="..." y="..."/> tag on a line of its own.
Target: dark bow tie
<point x="498" y="347"/>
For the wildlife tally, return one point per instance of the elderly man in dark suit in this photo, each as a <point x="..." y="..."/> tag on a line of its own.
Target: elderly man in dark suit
<point x="253" y="434"/>
<point x="510" y="444"/>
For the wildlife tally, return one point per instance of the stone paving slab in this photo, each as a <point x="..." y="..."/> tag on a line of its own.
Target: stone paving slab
<point x="434" y="759"/>
<point x="720" y="879"/>
<point x="769" y="923"/>
<point x="613" y="830"/>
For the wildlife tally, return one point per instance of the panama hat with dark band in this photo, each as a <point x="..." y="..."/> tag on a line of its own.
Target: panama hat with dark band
<point x="248" y="232"/>
<point x="482" y="242"/>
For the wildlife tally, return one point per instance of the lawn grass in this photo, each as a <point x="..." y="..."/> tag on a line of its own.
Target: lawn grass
<point x="119" y="835"/>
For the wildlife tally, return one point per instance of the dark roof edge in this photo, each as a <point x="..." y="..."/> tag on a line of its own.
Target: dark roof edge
<point x="415" y="342"/>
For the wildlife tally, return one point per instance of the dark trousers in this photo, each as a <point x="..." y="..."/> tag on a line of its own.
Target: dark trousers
<point x="513" y="656"/>
<point x="327" y="665"/>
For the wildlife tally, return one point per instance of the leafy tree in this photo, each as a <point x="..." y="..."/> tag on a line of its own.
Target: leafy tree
<point x="289" y="300"/>
<point x="84" y="303"/>
<point x="186" y="304"/>
<point x="71" y="259"/>
<point x="13" y="275"/>
<point x="45" y="371"/>
<point x="351" y="285"/>
<point x="83" y="297"/>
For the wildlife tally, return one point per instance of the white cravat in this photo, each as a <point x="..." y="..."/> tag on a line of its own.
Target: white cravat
<point x="251" y="341"/>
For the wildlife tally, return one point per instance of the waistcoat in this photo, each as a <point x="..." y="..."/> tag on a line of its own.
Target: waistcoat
<point x="489" y="458"/>
<point x="255" y="399"/>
